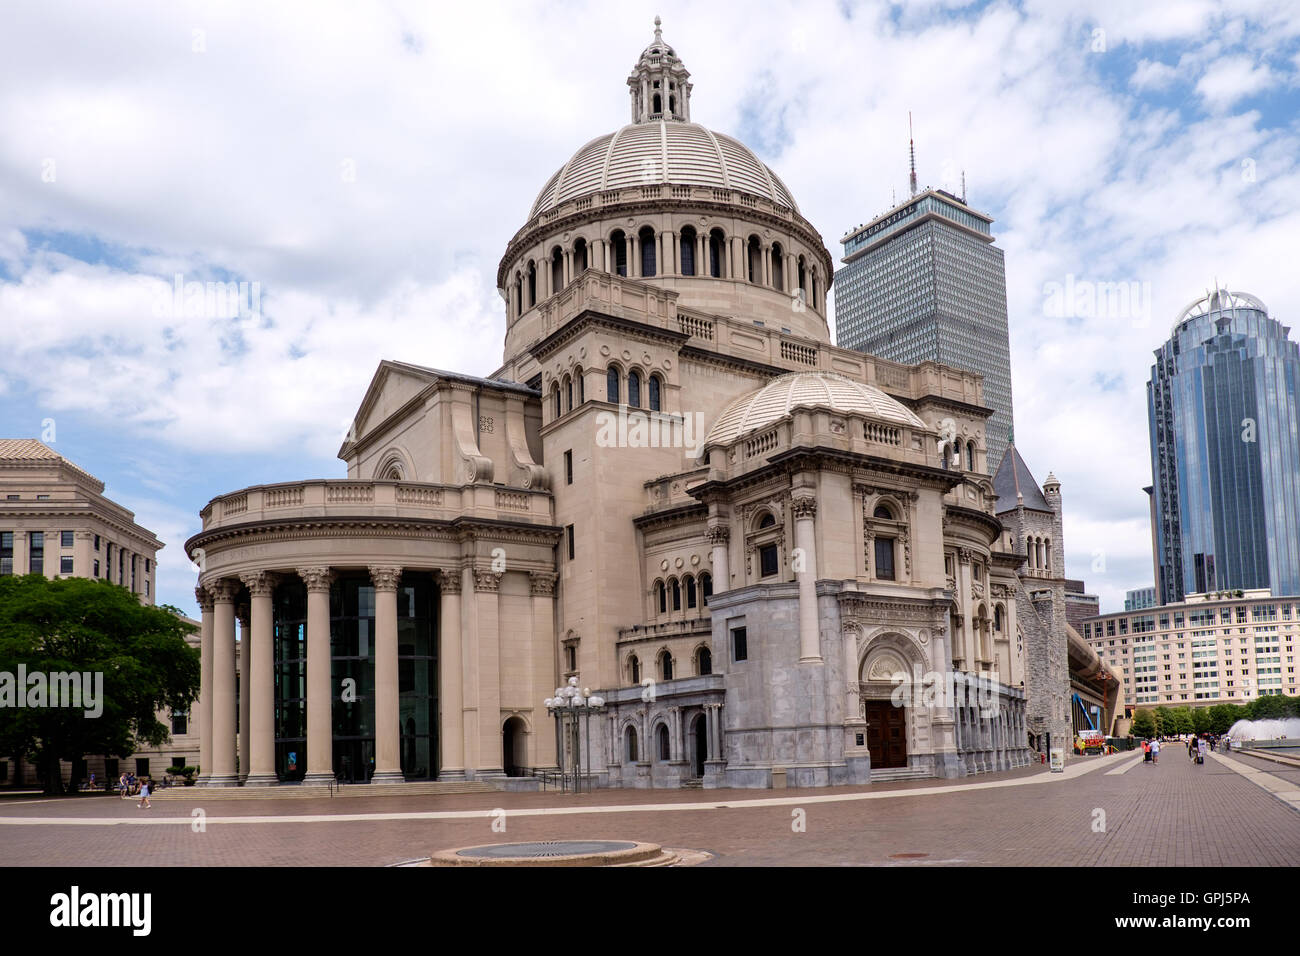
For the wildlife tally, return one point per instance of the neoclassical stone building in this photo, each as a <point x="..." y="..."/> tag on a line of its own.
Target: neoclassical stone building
<point x="755" y="545"/>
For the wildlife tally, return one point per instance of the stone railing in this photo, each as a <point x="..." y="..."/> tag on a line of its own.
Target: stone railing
<point x="324" y="498"/>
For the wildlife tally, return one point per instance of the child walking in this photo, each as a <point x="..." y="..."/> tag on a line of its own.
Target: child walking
<point x="144" y="795"/>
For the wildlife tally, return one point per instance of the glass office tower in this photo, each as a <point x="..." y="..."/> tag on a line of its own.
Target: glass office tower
<point x="924" y="281"/>
<point x="1225" y="451"/>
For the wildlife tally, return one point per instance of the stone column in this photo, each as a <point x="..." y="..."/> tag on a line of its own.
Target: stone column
<point x="701" y="254"/>
<point x="633" y="246"/>
<point x="739" y="270"/>
<point x="804" y="509"/>
<point x="451" y="688"/>
<point x="568" y="267"/>
<point x="719" y="537"/>
<point x="320" y="683"/>
<point x="664" y="257"/>
<point x="765" y="258"/>
<point x="81" y="556"/>
<point x="388" y="723"/>
<point x="245" y="682"/>
<point x="261" y="689"/>
<point x="545" y="669"/>
<point x="223" y="686"/>
<point x="203" y="706"/>
<point x="487" y="645"/>
<point x="598" y="248"/>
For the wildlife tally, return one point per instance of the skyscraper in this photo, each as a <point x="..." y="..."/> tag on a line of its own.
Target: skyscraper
<point x="1225" y="451"/>
<point x="924" y="281"/>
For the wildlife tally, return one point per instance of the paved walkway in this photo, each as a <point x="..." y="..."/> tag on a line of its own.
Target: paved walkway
<point x="1174" y="813"/>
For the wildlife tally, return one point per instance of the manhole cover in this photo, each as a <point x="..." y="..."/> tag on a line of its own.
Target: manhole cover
<point x="907" y="856"/>
<point x="550" y="848"/>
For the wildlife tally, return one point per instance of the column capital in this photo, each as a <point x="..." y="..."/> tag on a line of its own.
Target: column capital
<point x="223" y="591"/>
<point x="316" y="579"/>
<point x="385" y="578"/>
<point x="542" y="583"/>
<point x="449" y="580"/>
<point x="204" y="598"/>
<point x="804" y="506"/>
<point x="486" y="580"/>
<point x="719" y="534"/>
<point x="260" y="583"/>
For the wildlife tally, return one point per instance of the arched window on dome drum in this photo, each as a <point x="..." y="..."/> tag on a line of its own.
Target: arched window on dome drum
<point x="677" y="595"/>
<point x="690" y="591"/>
<point x="658" y="104"/>
<point x="634" y="390"/>
<point x="970" y="456"/>
<point x="672" y="105"/>
<point x="706" y="587"/>
<point x="580" y="378"/>
<point x="778" y="267"/>
<point x="813" y="293"/>
<point x="618" y="252"/>
<point x="688" y="251"/>
<point x="580" y="257"/>
<point x="755" y="260"/>
<point x="717" y="243"/>
<point x="555" y="396"/>
<point x="532" y="285"/>
<point x="557" y="270"/>
<point x="646" y="239"/>
<point x="611" y="385"/>
<point x="655" y="400"/>
<point x="947" y="456"/>
<point x="663" y="598"/>
<point x="666" y="666"/>
<point x="568" y="393"/>
<point x="519" y="295"/>
<point x="803" y="277"/>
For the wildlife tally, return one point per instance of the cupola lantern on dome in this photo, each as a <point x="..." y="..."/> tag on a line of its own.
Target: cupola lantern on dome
<point x="659" y="83"/>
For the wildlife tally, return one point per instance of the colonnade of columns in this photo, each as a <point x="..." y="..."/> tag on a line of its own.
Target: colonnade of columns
<point x="468" y="657"/>
<point x="733" y="264"/>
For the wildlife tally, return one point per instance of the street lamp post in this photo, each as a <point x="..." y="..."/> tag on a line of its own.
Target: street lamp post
<point x="567" y="705"/>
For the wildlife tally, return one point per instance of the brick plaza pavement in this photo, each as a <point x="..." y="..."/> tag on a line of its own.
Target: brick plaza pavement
<point x="1173" y="814"/>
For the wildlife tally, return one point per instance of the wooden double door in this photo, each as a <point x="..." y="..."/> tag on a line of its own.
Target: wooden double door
<point x="886" y="733"/>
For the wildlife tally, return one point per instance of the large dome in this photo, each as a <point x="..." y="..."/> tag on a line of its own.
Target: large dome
<point x="774" y="401"/>
<point x="663" y="151"/>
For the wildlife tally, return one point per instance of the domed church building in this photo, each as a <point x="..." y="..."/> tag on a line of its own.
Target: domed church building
<point x="778" y="561"/>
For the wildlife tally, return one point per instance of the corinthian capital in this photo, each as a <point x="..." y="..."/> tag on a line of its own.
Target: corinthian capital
<point x="260" y="583"/>
<point x="719" y="534"/>
<point x="542" y="582"/>
<point x="204" y="599"/>
<point x="385" y="578"/>
<point x="805" y="506"/>
<point x="316" y="579"/>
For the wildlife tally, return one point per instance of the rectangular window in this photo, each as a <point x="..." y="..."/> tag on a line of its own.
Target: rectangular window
<point x="885" y="559"/>
<point x="6" y="552"/>
<point x="65" y="539"/>
<point x="146" y="588"/>
<point x="739" y="644"/>
<point x="13" y="497"/>
<point x="42" y="497"/>
<point x="36" y="552"/>
<point x="96" y="567"/>
<point x="568" y="531"/>
<point x="65" y="564"/>
<point x="96" y="542"/>
<point x="180" y="722"/>
<point x="148" y="565"/>
<point x="568" y="467"/>
<point x="767" y="560"/>
<point x="142" y="766"/>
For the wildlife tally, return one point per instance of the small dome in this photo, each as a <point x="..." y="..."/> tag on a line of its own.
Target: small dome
<point x="662" y="151"/>
<point x="775" y="400"/>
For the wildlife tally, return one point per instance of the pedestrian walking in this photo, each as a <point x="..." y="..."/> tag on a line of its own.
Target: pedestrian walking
<point x="1155" y="751"/>
<point x="1201" y="747"/>
<point x="1146" y="751"/>
<point x="121" y="786"/>
<point x="144" y="795"/>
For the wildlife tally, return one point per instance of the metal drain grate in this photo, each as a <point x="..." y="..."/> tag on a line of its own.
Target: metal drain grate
<point x="545" y="849"/>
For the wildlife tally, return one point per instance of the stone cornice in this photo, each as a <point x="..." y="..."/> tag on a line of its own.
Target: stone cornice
<point x="958" y="513"/>
<point x="453" y="530"/>
<point x="587" y="318"/>
<point x="680" y="514"/>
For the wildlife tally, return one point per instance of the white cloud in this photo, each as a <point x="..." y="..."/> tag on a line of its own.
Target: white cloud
<point x="1229" y="80"/>
<point x="1152" y="75"/>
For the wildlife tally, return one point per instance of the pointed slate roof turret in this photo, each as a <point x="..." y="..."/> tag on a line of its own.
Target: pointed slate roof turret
<point x="1013" y="481"/>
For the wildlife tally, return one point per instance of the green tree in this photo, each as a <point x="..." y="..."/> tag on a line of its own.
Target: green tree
<point x="1222" y="717"/>
<point x="88" y="626"/>
<point x="1144" y="724"/>
<point x="1183" y="722"/>
<point x="1272" y="705"/>
<point x="1164" y="720"/>
<point x="1201" y="720"/>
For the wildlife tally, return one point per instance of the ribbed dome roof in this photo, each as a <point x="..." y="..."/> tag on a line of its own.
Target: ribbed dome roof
<point x="774" y="401"/>
<point x="663" y="151"/>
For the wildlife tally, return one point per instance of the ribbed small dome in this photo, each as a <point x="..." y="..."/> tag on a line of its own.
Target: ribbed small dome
<point x="663" y="151"/>
<point x="774" y="401"/>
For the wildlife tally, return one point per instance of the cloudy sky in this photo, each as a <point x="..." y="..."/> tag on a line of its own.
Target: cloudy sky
<point x="365" y="163"/>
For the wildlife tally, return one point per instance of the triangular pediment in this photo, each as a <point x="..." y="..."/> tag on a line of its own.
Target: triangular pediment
<point x="394" y="386"/>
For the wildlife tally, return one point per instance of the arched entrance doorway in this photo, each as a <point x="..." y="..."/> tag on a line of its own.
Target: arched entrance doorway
<point x="700" y="745"/>
<point x="887" y="721"/>
<point x="513" y="749"/>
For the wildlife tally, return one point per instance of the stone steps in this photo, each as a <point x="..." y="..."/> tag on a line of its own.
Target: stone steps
<point x="890" y="774"/>
<point x="298" y="792"/>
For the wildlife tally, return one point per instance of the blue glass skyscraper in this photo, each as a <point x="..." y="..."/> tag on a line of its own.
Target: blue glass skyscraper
<point x="1225" y="451"/>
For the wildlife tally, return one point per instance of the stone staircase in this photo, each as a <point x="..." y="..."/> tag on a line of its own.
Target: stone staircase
<point x="299" y="792"/>
<point x="692" y="783"/>
<point x="891" y="774"/>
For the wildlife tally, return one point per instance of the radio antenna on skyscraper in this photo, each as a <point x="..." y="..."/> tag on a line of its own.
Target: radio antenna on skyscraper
<point x="963" y="185"/>
<point x="911" y="149"/>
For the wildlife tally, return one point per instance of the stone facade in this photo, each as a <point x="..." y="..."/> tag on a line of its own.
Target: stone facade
<point x="674" y="490"/>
